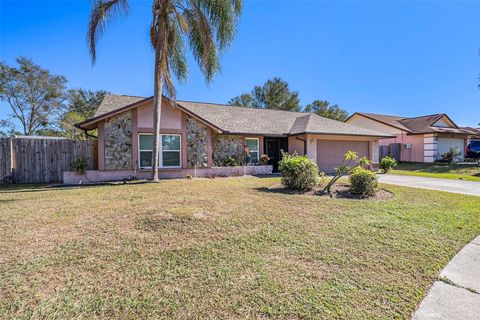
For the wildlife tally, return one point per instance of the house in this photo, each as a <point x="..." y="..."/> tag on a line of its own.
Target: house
<point x="198" y="138"/>
<point x="422" y="139"/>
<point x="475" y="131"/>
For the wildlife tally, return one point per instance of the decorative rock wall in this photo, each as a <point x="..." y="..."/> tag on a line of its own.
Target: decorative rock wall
<point x="118" y="142"/>
<point x="196" y="143"/>
<point x="225" y="146"/>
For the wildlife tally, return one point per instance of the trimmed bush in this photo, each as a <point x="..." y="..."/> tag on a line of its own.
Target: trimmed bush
<point x="387" y="164"/>
<point x="363" y="182"/>
<point x="298" y="172"/>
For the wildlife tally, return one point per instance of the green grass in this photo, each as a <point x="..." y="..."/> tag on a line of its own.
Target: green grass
<point x="223" y="248"/>
<point x="439" y="170"/>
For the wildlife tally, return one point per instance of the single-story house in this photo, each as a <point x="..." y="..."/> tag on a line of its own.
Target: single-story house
<point x="475" y="131"/>
<point x="422" y="139"/>
<point x="199" y="138"/>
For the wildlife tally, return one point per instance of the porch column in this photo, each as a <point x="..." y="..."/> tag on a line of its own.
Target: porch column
<point x="209" y="147"/>
<point x="101" y="145"/>
<point x="312" y="148"/>
<point x="373" y="154"/>
<point x="135" y="139"/>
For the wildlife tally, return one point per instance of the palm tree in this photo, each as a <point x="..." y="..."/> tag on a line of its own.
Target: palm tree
<point x="208" y="25"/>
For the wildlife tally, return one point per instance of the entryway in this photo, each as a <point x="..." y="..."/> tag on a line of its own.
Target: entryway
<point x="273" y="147"/>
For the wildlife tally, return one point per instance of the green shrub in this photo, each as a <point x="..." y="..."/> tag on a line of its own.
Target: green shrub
<point x="363" y="182"/>
<point x="80" y="166"/>
<point x="231" y="162"/>
<point x="452" y="155"/>
<point x="387" y="164"/>
<point x="298" y="172"/>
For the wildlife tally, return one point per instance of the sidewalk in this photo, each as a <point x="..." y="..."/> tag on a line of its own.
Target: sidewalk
<point x="457" y="293"/>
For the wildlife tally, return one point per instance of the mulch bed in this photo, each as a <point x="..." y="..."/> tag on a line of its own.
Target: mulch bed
<point x="338" y="191"/>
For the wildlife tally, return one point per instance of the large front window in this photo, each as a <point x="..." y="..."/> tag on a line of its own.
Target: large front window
<point x="252" y="145"/>
<point x="169" y="154"/>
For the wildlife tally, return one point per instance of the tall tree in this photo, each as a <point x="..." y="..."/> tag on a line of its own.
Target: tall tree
<point x="34" y="94"/>
<point x="81" y="105"/>
<point x="85" y="102"/>
<point x="324" y="109"/>
<point x="244" y="100"/>
<point x="273" y="94"/>
<point x="209" y="26"/>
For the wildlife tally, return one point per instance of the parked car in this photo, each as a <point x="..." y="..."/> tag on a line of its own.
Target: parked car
<point x="473" y="150"/>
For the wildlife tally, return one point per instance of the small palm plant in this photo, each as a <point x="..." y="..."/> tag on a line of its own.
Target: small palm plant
<point x="351" y="162"/>
<point x="208" y="26"/>
<point x="80" y="166"/>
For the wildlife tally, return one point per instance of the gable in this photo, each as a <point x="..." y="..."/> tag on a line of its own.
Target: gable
<point x="444" y="122"/>
<point x="364" y="122"/>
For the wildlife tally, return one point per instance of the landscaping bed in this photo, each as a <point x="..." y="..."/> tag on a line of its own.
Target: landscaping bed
<point x="223" y="248"/>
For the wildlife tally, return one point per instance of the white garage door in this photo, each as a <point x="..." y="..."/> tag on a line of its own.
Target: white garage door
<point x="331" y="154"/>
<point x="444" y="145"/>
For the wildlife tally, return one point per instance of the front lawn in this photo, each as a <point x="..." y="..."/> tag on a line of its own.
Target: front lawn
<point x="439" y="170"/>
<point x="223" y="248"/>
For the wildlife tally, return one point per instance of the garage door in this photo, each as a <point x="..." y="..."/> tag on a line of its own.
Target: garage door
<point x="444" y="145"/>
<point x="330" y="153"/>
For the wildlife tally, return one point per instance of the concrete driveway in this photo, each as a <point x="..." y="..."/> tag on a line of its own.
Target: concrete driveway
<point x="455" y="186"/>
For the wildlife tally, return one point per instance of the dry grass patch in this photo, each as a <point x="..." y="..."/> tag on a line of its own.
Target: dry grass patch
<point x="222" y="248"/>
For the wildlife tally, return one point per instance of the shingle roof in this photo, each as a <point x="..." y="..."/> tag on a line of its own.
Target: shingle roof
<point x="239" y="120"/>
<point x="416" y="125"/>
<point x="112" y="102"/>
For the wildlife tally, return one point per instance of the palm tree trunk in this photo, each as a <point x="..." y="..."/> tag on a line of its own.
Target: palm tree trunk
<point x="160" y="57"/>
<point x="157" y="111"/>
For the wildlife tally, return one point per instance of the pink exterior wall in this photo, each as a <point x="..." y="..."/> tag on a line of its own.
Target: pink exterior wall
<point x="95" y="176"/>
<point x="101" y="145"/>
<point x="171" y="118"/>
<point x="297" y="144"/>
<point x="415" y="154"/>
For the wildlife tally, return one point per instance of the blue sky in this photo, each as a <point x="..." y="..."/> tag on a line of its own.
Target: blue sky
<point x="408" y="57"/>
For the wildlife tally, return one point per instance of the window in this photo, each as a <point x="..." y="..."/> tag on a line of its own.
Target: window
<point x="169" y="155"/>
<point x="252" y="144"/>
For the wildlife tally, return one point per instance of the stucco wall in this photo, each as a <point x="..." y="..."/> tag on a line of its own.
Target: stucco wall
<point x="197" y="145"/>
<point x="225" y="146"/>
<point x="118" y="150"/>
<point x="364" y="122"/>
<point x="296" y="144"/>
<point x="170" y="118"/>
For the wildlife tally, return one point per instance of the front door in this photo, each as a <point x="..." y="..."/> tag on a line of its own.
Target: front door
<point x="273" y="147"/>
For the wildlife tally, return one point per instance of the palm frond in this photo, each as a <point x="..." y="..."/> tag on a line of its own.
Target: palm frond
<point x="102" y="13"/>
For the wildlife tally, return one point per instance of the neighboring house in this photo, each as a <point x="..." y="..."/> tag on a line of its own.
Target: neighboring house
<point x="203" y="135"/>
<point x="475" y="131"/>
<point x="422" y="139"/>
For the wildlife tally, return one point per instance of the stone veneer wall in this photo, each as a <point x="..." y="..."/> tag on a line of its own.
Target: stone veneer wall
<point x="118" y="142"/>
<point x="225" y="146"/>
<point x="196" y="143"/>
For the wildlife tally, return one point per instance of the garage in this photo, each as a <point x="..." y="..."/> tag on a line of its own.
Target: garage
<point x="444" y="145"/>
<point x="331" y="153"/>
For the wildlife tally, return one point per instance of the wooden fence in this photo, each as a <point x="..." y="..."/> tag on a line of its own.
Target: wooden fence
<point x="42" y="159"/>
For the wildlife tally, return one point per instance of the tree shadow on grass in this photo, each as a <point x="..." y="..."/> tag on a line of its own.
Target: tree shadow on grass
<point x="21" y="188"/>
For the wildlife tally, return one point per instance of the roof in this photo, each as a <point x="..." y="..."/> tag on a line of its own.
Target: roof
<point x="239" y="120"/>
<point x="475" y="131"/>
<point x="111" y="102"/>
<point x="415" y="125"/>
